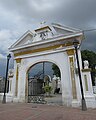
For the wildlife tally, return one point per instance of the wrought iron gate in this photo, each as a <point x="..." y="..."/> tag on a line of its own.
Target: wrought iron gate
<point x="35" y="91"/>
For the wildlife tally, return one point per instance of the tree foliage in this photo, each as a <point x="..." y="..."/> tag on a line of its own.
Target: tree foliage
<point x="91" y="57"/>
<point x="56" y="70"/>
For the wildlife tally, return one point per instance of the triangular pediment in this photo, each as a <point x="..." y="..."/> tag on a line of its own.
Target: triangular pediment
<point x="44" y="33"/>
<point x="60" y="29"/>
<point x="23" y="40"/>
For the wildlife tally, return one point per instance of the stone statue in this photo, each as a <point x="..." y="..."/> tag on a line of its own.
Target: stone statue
<point x="11" y="72"/>
<point x="86" y="64"/>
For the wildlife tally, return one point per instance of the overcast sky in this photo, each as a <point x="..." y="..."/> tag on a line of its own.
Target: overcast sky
<point x="17" y="16"/>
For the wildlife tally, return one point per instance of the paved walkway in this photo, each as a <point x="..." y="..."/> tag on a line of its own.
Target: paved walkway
<point x="18" y="111"/>
<point x="56" y="99"/>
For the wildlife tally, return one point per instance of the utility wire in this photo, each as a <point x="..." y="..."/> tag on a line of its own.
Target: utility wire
<point x="89" y="30"/>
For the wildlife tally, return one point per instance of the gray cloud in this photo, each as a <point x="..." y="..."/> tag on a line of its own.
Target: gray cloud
<point x="89" y="42"/>
<point x="75" y="12"/>
<point x="17" y="16"/>
<point x="20" y="15"/>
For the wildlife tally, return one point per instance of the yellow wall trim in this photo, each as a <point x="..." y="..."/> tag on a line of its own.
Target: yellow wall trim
<point x="36" y="50"/>
<point x="70" y="52"/>
<point x="18" y="60"/>
<point x="86" y="84"/>
<point x="42" y="49"/>
<point x="74" y="92"/>
<point x="86" y="70"/>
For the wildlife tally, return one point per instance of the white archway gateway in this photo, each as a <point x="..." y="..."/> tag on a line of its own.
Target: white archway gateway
<point x="52" y="43"/>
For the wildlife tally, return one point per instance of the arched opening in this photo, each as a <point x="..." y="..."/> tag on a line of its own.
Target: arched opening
<point x="44" y="83"/>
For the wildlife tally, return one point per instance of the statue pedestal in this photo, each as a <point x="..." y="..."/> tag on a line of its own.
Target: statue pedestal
<point x="90" y="101"/>
<point x="9" y="97"/>
<point x="88" y="89"/>
<point x="94" y="89"/>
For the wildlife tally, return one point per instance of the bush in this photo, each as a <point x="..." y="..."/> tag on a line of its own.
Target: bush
<point x="47" y="89"/>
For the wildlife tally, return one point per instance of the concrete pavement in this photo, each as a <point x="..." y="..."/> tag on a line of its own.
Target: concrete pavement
<point x="25" y="111"/>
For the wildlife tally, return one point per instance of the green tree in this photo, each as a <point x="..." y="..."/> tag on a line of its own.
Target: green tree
<point x="56" y="70"/>
<point x="91" y="57"/>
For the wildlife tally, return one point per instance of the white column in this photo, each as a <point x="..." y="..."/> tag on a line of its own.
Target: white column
<point x="65" y="82"/>
<point x="21" y="82"/>
<point x="14" y="79"/>
<point x="10" y="85"/>
<point x="10" y="76"/>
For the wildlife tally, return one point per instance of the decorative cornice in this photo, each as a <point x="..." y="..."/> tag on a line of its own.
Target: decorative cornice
<point x="36" y="50"/>
<point x="42" y="49"/>
<point x="18" y="60"/>
<point x="43" y="28"/>
<point x="11" y="76"/>
<point x="86" y="70"/>
<point x="70" y="52"/>
<point x="49" y="40"/>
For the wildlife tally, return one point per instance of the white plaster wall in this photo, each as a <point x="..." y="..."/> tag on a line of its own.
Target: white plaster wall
<point x="89" y="82"/>
<point x="75" y="102"/>
<point x="14" y="80"/>
<point x="61" y="60"/>
<point x="89" y="96"/>
<point x="21" y="83"/>
<point x="10" y="85"/>
<point x="80" y="62"/>
<point x="78" y="101"/>
<point x="77" y="76"/>
<point x="66" y="81"/>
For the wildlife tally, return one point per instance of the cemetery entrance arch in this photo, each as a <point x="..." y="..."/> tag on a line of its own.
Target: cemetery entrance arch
<point x="62" y="63"/>
<point x="53" y="43"/>
<point x="41" y="80"/>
